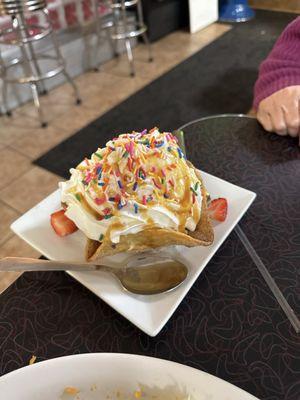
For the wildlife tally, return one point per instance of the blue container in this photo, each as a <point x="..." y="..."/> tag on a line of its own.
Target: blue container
<point x="235" y="11"/>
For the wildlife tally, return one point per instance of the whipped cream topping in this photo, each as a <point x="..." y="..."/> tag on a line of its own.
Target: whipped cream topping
<point x="138" y="181"/>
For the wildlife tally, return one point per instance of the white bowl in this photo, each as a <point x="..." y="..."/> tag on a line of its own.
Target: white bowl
<point x="103" y="376"/>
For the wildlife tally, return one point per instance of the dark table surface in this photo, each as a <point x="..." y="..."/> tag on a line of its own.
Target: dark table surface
<point x="229" y="324"/>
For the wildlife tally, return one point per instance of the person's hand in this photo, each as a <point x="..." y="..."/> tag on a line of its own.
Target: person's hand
<point x="280" y="112"/>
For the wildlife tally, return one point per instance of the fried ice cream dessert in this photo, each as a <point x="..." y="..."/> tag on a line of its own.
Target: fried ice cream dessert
<point x="137" y="193"/>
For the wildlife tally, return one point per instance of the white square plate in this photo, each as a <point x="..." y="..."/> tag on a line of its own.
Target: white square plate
<point x="149" y="313"/>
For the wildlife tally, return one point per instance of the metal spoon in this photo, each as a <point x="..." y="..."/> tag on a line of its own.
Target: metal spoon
<point x="140" y="275"/>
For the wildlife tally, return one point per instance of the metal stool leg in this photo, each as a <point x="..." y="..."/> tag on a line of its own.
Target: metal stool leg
<point x="98" y="33"/>
<point x="122" y="31"/>
<point x="144" y="35"/>
<point x="67" y="76"/>
<point x="4" y="88"/>
<point x="35" y="95"/>
<point x="37" y="68"/>
<point x="113" y="45"/>
<point x="147" y="42"/>
<point x="130" y="57"/>
<point x="72" y="83"/>
<point x="4" y="99"/>
<point x="127" y="40"/>
<point x="99" y="28"/>
<point x="115" y="28"/>
<point x="28" y="52"/>
<point x="62" y="61"/>
<point x="29" y="62"/>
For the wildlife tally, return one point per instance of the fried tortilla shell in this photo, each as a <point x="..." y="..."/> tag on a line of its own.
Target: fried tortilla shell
<point x="152" y="238"/>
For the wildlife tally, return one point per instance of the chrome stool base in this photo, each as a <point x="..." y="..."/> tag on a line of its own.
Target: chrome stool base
<point x="24" y="36"/>
<point x="119" y="29"/>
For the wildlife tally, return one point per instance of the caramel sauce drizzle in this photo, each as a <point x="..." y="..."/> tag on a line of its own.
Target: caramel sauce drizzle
<point x="180" y="174"/>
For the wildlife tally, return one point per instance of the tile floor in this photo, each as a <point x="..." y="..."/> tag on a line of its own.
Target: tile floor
<point x="22" y="140"/>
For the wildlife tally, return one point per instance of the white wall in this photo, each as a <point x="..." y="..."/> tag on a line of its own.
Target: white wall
<point x="202" y="13"/>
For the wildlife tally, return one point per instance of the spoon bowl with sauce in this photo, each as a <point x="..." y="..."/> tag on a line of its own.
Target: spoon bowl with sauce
<point x="143" y="275"/>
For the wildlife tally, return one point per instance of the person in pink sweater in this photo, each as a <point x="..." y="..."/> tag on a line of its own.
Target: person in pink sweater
<point x="277" y="89"/>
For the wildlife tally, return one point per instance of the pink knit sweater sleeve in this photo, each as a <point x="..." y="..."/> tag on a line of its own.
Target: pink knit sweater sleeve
<point x="282" y="66"/>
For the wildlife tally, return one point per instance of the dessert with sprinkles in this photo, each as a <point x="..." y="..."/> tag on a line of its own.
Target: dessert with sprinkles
<point x="138" y="192"/>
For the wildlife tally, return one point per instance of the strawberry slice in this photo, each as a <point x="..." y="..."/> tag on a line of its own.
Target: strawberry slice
<point x="217" y="209"/>
<point x="62" y="224"/>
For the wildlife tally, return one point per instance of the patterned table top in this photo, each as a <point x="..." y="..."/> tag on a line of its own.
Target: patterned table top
<point x="229" y="324"/>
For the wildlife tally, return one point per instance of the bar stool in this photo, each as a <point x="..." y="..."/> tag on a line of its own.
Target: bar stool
<point x="119" y="27"/>
<point x="24" y="35"/>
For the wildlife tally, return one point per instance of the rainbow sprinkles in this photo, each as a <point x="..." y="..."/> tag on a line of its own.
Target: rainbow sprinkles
<point x="138" y="179"/>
